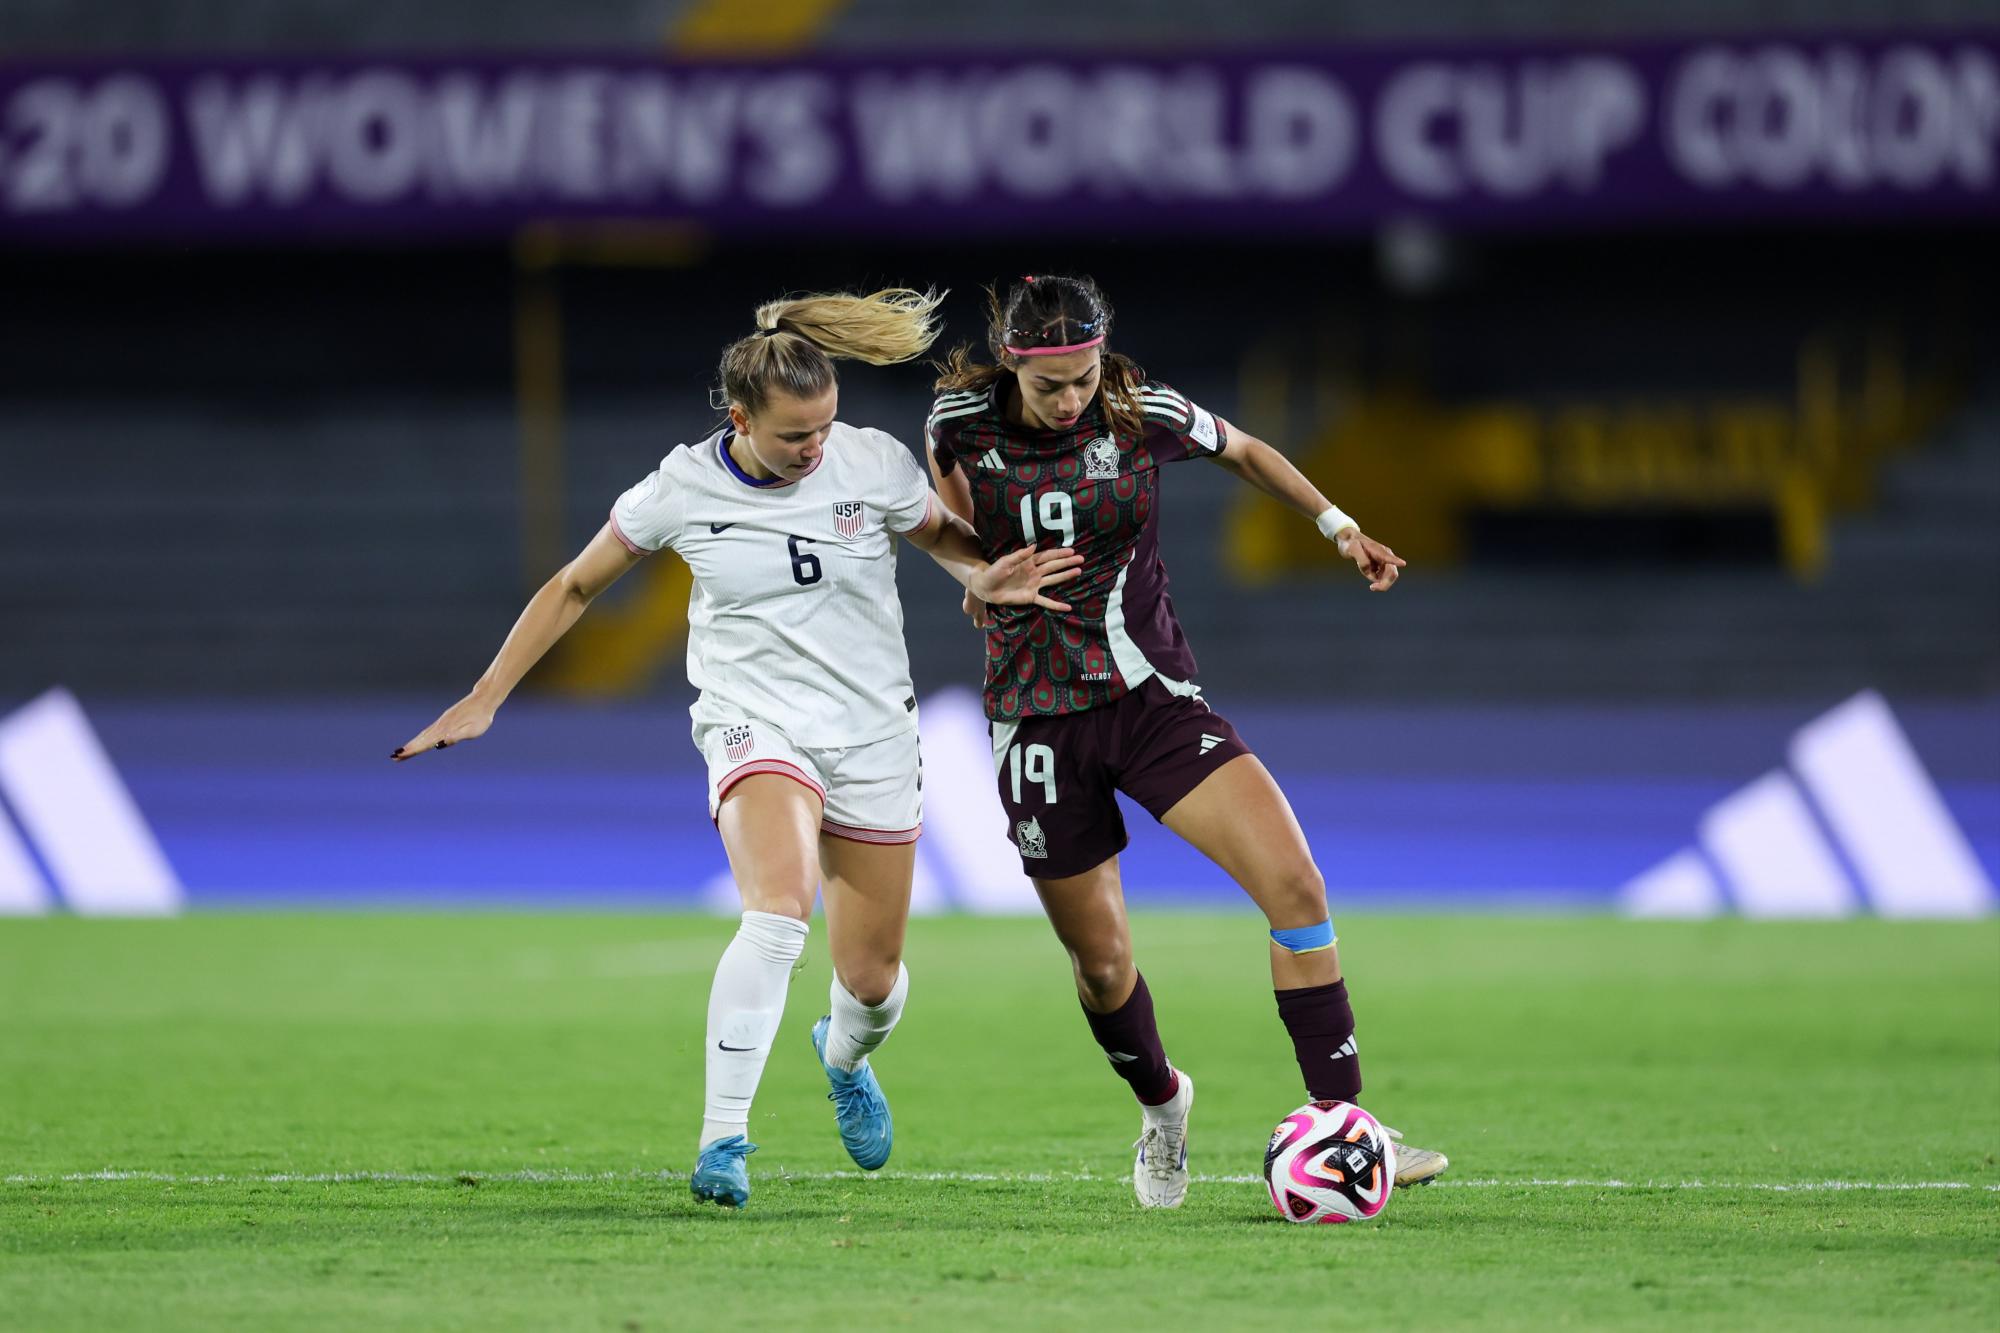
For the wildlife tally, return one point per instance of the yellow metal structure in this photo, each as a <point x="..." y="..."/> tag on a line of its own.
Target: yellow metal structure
<point x="1410" y="466"/>
<point x="751" y="27"/>
<point x="617" y="647"/>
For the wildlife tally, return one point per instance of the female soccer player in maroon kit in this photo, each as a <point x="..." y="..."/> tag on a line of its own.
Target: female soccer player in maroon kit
<point x="1058" y="441"/>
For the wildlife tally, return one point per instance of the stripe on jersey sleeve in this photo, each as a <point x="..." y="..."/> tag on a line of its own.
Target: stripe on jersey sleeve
<point x="944" y="412"/>
<point x="1166" y="406"/>
<point x="1182" y="415"/>
<point x="955" y="405"/>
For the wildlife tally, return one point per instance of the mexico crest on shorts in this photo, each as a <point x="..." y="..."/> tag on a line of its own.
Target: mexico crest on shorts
<point x="847" y="517"/>
<point x="738" y="742"/>
<point x="1028" y="837"/>
<point x="1100" y="460"/>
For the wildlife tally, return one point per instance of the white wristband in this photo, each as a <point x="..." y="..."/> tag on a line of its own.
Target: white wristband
<point x="1332" y="523"/>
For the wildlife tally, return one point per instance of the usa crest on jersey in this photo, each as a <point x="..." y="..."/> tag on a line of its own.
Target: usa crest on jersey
<point x="847" y="517"/>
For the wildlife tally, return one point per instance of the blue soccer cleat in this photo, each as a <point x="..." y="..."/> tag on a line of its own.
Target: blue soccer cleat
<point x="720" y="1175"/>
<point x="858" y="1107"/>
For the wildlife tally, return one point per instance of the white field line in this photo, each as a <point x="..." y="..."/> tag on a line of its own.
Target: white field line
<point x="949" y="1177"/>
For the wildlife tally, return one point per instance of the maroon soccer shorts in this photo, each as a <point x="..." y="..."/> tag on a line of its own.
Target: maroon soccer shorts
<point x="1059" y="775"/>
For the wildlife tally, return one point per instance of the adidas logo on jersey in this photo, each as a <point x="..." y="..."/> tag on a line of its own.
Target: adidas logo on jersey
<point x="1209" y="742"/>
<point x="1028" y="837"/>
<point x="990" y="460"/>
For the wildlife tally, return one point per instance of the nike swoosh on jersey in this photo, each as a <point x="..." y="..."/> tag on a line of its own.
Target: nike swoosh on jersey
<point x="718" y="527"/>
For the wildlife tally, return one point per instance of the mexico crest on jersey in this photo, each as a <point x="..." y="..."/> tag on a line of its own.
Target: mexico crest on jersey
<point x="1100" y="460"/>
<point x="847" y="517"/>
<point x="738" y="742"/>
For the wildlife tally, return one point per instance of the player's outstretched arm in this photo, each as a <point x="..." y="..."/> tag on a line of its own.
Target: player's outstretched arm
<point x="1272" y="473"/>
<point x="1018" y="578"/>
<point x="548" y="616"/>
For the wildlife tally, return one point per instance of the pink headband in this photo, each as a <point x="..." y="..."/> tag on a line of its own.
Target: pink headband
<point x="1056" y="351"/>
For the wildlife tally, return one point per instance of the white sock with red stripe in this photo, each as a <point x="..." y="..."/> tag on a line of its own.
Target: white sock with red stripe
<point x="857" y="1028"/>
<point x="744" y="1006"/>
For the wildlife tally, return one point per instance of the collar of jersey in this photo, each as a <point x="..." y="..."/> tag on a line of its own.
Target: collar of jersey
<point x="773" y="483"/>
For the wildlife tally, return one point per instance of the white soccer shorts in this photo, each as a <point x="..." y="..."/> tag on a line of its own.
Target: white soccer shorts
<point x="869" y="793"/>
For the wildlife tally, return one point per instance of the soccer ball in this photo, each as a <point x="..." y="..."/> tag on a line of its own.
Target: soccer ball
<point x="1330" y="1162"/>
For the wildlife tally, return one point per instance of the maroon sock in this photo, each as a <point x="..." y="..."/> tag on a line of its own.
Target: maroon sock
<point x="1322" y="1026"/>
<point x="1131" y="1042"/>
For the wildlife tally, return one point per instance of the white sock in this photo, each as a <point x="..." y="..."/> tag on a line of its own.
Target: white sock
<point x="744" y="1006"/>
<point x="859" y="1028"/>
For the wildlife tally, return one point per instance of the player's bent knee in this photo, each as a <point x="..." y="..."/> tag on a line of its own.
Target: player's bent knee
<point x="1297" y="898"/>
<point x="1103" y="977"/>
<point x="794" y="901"/>
<point x="873" y="983"/>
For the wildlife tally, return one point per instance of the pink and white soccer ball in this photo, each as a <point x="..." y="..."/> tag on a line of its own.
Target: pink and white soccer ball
<point x="1330" y="1162"/>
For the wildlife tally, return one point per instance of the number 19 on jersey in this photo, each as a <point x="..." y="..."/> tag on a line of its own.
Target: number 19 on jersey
<point x="1056" y="513"/>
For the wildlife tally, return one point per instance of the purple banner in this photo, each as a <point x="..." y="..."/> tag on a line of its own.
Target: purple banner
<point x="1300" y="142"/>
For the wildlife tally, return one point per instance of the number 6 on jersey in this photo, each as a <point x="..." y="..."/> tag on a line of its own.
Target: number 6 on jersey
<point x="805" y="565"/>
<point x="1056" y="517"/>
<point x="1039" y="762"/>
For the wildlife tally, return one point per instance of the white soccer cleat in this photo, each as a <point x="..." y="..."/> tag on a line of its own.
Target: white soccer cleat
<point x="1416" y="1166"/>
<point x="1159" y="1170"/>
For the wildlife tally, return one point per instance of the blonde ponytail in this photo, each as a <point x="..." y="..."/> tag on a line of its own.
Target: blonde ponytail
<point x="798" y="339"/>
<point x="882" y="328"/>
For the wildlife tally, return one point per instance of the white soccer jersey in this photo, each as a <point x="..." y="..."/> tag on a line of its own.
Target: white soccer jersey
<point x="794" y="618"/>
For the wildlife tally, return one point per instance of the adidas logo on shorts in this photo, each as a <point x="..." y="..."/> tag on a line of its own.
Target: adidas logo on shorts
<point x="1028" y="837"/>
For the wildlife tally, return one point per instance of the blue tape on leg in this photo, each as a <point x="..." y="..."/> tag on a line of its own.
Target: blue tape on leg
<point x="1306" y="939"/>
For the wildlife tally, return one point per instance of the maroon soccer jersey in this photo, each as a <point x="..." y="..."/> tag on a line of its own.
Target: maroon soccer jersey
<point x="1088" y="487"/>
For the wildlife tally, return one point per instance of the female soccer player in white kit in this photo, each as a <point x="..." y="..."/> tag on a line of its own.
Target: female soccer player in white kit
<point x="806" y="715"/>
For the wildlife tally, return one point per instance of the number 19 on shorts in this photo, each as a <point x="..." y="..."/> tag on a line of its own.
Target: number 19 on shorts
<point x="1038" y="764"/>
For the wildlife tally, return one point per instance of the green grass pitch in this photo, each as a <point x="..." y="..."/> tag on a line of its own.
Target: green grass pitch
<point x="486" y="1121"/>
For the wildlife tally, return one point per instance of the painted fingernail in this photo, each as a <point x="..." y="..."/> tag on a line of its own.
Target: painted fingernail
<point x="438" y="746"/>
